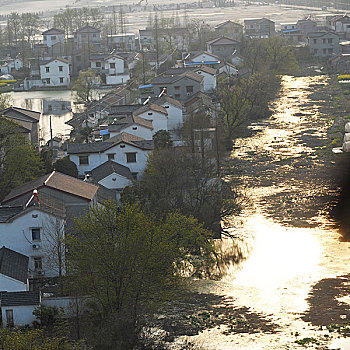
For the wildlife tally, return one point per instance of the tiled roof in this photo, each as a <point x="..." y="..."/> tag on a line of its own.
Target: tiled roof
<point x="129" y="120"/>
<point x="223" y="41"/>
<point x="20" y="298"/>
<point x="14" y="264"/>
<point x="196" y="54"/>
<point x="53" y="31"/>
<point x="33" y="116"/>
<point x="57" y="181"/>
<point x="109" y="168"/>
<point x="166" y="99"/>
<point x="206" y="69"/>
<point x="133" y="140"/>
<point x="88" y="29"/>
<point x="8" y="212"/>
<point x="151" y="107"/>
<point x="320" y="34"/>
<point x="44" y="62"/>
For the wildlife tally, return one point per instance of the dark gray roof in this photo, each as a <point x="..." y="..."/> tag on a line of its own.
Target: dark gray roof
<point x="124" y="109"/>
<point x="96" y="147"/>
<point x="145" y="144"/>
<point x="109" y="168"/>
<point x="14" y="264"/>
<point x="162" y="79"/>
<point x="21" y="114"/>
<point x="53" y="31"/>
<point x="20" y="298"/>
<point x="8" y="212"/>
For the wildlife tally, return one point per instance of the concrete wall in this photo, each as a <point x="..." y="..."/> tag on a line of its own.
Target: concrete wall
<point x="209" y="82"/>
<point x="22" y="315"/>
<point x="54" y="74"/>
<point x="175" y="117"/>
<point x="52" y="39"/>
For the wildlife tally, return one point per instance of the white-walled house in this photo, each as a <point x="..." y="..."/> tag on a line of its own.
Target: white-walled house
<point x="155" y="113"/>
<point x="55" y="72"/>
<point x="31" y="231"/>
<point x="125" y="149"/>
<point x="10" y="65"/>
<point x="112" y="68"/>
<point x="111" y="175"/>
<point x="13" y="271"/>
<point x="174" y="110"/>
<point x="131" y="124"/>
<point x="53" y="36"/>
<point x="17" y="308"/>
<point x="209" y="75"/>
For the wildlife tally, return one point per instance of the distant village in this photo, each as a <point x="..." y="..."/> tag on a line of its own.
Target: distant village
<point x="122" y="123"/>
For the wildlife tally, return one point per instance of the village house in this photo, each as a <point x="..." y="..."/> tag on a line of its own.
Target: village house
<point x="54" y="41"/>
<point x="323" y="44"/>
<point x="111" y="175"/>
<point x="174" y="109"/>
<point x="340" y="24"/>
<point x="130" y="124"/>
<point x="121" y="42"/>
<point x="306" y="26"/>
<point x="10" y="65"/>
<point x="125" y="149"/>
<point x="259" y="28"/>
<point x="202" y="57"/>
<point x="60" y="193"/>
<point x="154" y="113"/>
<point x="230" y="29"/>
<point x="180" y="87"/>
<point x="55" y="73"/>
<point x="87" y="36"/>
<point x="32" y="232"/>
<point x="112" y="68"/>
<point x="17" y="308"/>
<point x="28" y="122"/>
<point x="223" y="47"/>
<point x="13" y="266"/>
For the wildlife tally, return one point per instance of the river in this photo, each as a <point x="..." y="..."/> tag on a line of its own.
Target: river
<point x="296" y="270"/>
<point x="54" y="105"/>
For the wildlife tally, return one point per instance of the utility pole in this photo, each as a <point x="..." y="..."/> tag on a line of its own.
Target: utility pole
<point x="157" y="46"/>
<point x="51" y="131"/>
<point x="143" y="67"/>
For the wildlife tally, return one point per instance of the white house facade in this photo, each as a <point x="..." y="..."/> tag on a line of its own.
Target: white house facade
<point x="125" y="149"/>
<point x="31" y="233"/>
<point x="209" y="75"/>
<point x="55" y="73"/>
<point x="174" y="110"/>
<point x="53" y="36"/>
<point x="156" y="114"/>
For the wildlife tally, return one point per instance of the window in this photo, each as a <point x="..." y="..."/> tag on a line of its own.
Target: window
<point x="48" y="81"/>
<point x="149" y="113"/>
<point x="330" y="51"/>
<point x="35" y="234"/>
<point x="53" y="37"/>
<point x="111" y="156"/>
<point x="49" y="108"/>
<point x="112" y="65"/>
<point x="45" y="38"/>
<point x="177" y="87"/>
<point x="9" y="318"/>
<point x="60" y="68"/>
<point x="330" y="40"/>
<point x="83" y="36"/>
<point x="98" y="64"/>
<point x="38" y="263"/>
<point x="324" y="51"/>
<point x="131" y="157"/>
<point x="323" y="41"/>
<point x="189" y="89"/>
<point x="83" y="160"/>
<point x="47" y="69"/>
<point x="315" y="51"/>
<point x="134" y="127"/>
<point x="61" y="80"/>
<point x="94" y="35"/>
<point x="315" y="41"/>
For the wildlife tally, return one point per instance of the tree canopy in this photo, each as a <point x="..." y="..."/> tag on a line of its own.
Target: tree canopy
<point x="85" y="86"/>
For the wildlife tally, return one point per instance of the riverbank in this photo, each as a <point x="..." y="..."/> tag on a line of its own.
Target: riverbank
<point x="292" y="282"/>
